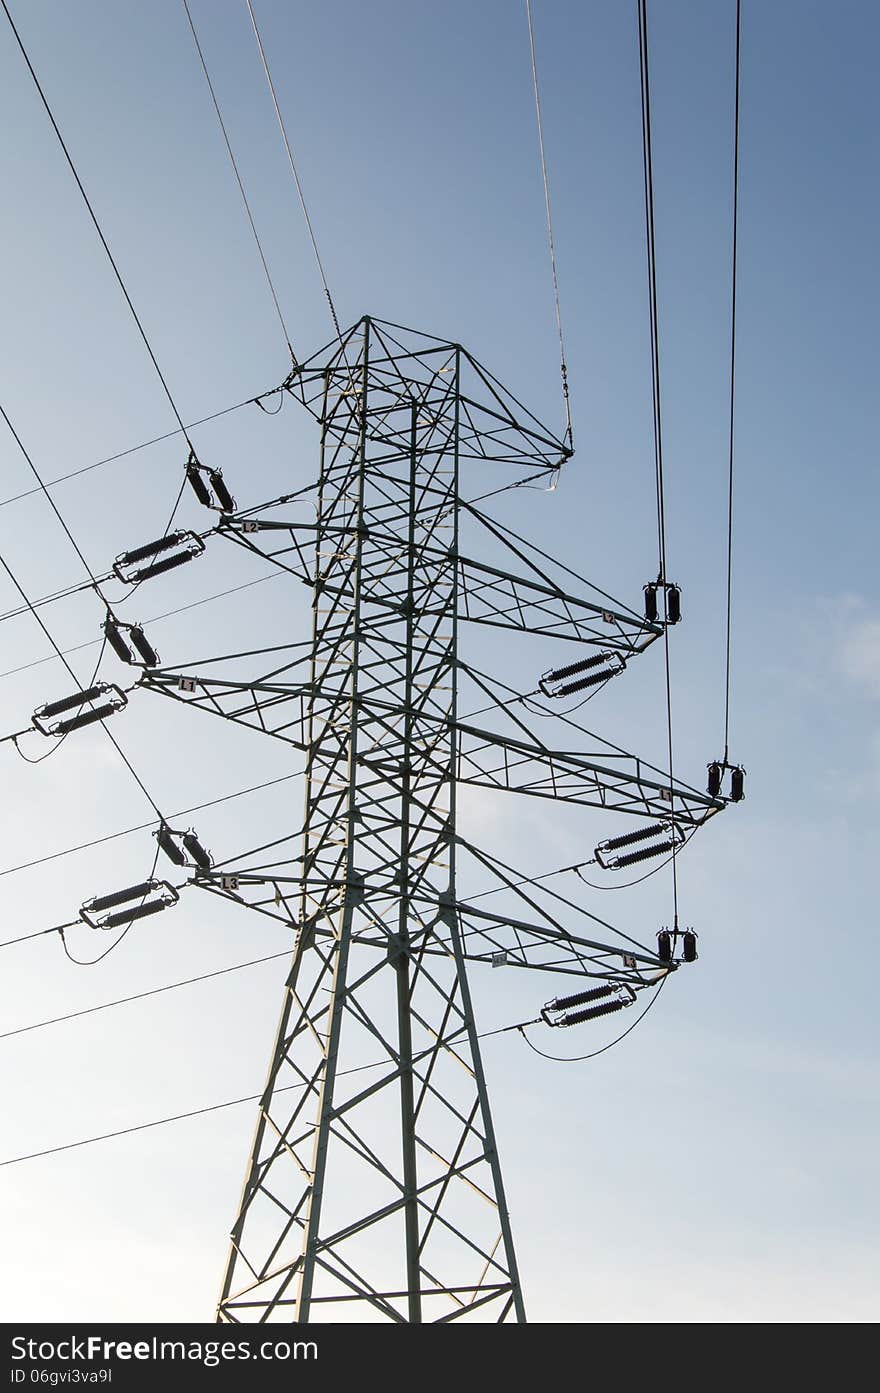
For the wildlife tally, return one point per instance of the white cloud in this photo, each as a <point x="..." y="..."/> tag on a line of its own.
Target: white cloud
<point x="861" y="654"/>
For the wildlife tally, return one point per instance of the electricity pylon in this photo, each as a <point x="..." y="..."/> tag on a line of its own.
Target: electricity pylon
<point x="374" y="1187"/>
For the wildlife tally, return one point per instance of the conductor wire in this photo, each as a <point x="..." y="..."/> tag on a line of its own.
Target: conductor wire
<point x="568" y="438"/>
<point x="732" y="390"/>
<point x="647" y="162"/>
<point x="52" y="504"/>
<point x="73" y="675"/>
<point x="293" y="170"/>
<point x="244" y="197"/>
<point x="94" y="218"/>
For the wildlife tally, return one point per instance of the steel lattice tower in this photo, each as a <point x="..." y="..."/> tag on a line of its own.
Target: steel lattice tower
<point x="377" y="1193"/>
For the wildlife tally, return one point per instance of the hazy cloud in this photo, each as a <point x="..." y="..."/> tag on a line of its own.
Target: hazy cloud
<point x="861" y="654"/>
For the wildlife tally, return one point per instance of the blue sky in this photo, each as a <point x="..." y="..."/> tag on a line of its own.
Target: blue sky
<point x="718" y="1165"/>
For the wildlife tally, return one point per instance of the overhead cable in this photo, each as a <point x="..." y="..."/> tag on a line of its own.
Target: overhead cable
<point x="235" y="170"/>
<point x="144" y="445"/>
<point x="79" y="588"/>
<point x="287" y="1088"/>
<point x="141" y="826"/>
<point x="648" y="171"/>
<point x="96" y="223"/>
<point x="732" y="388"/>
<point x="294" y="172"/>
<point x="181" y="609"/>
<point x="40" y="933"/>
<point x="138" y="996"/>
<point x="70" y="670"/>
<point x="568" y="438"/>
<point x="52" y="504"/>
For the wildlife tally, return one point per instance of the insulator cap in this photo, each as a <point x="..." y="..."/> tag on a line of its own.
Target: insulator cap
<point x="737" y="784"/>
<point x="221" y="492"/>
<point x="191" y="543"/>
<point x="169" y="846"/>
<point x="125" y="916"/>
<point x="116" y="641"/>
<point x="644" y="855"/>
<point x="143" y="646"/>
<point x="132" y="892"/>
<point x="713" y="784"/>
<point x="193" y="846"/>
<point x="628" y="838"/>
<point x="664" y="946"/>
<point x="197" y="483"/>
<point x="128" y="558"/>
<point x="562" y="1003"/>
<point x="583" y="682"/>
<point x="159" y="566"/>
<point x="577" y="1017"/>
<point x="673" y="604"/>
<point x="87" y="718"/>
<point x="54" y="708"/>
<point x="651" y="603"/>
<point x="689" y="946"/>
<point x="559" y="674"/>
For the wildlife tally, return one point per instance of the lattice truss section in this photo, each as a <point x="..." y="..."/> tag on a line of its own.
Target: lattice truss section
<point x="378" y="1193"/>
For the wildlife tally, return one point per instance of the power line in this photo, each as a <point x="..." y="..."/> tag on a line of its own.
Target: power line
<point x="129" y="766"/>
<point x="138" y="996"/>
<point x="293" y="171"/>
<point x="72" y="924"/>
<point x="63" y="594"/>
<point x="93" y="962"/>
<point x="133" y="449"/>
<point x="648" y="171"/>
<point x="178" y="1117"/>
<point x="19" y="442"/>
<point x="287" y="1088"/>
<point x="142" y="826"/>
<point x="97" y="225"/>
<point x="564" y="369"/>
<point x="52" y="504"/>
<point x="173" y="513"/>
<point x="238" y="178"/>
<point x="56" y="745"/>
<point x="40" y="933"/>
<point x="79" y="588"/>
<point x="145" y="1126"/>
<point x="157" y="618"/>
<point x="182" y="427"/>
<point x="53" y="748"/>
<point x="732" y="391"/>
<point x="73" y="675"/>
<point x="174" y="986"/>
